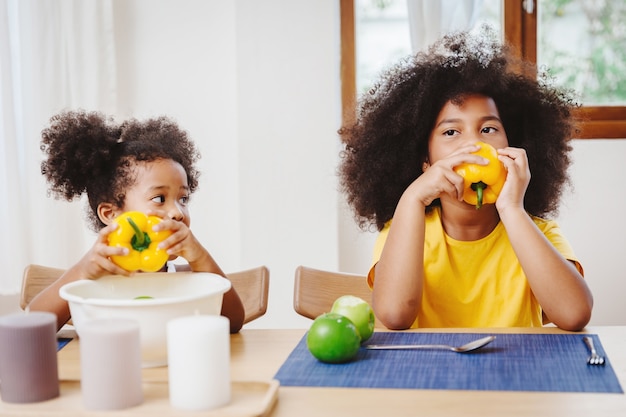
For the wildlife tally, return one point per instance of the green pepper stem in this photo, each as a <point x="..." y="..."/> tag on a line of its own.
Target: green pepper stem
<point x="140" y="240"/>
<point x="479" y="188"/>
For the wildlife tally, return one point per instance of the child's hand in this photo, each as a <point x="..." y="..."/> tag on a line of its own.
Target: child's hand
<point x="439" y="179"/>
<point x="96" y="262"/>
<point x="181" y="242"/>
<point x="518" y="177"/>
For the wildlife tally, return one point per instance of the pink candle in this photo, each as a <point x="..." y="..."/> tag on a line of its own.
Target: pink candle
<point x="110" y="364"/>
<point x="198" y="352"/>
<point x="28" y="357"/>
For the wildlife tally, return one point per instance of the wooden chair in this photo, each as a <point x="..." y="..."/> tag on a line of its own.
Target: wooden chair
<point x="315" y="290"/>
<point x="252" y="285"/>
<point x="35" y="279"/>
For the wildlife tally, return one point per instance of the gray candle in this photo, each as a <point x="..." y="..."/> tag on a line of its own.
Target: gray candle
<point x="28" y="357"/>
<point x="110" y="364"/>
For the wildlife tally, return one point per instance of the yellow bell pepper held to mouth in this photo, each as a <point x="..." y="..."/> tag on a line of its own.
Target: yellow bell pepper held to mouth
<point x="135" y="233"/>
<point x="482" y="183"/>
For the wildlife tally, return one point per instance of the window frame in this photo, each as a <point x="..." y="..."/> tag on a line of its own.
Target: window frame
<point x="520" y="31"/>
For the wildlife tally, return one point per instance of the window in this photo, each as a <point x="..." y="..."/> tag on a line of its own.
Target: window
<point x="575" y="39"/>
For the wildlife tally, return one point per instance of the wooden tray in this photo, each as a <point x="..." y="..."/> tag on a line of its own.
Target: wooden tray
<point x="248" y="399"/>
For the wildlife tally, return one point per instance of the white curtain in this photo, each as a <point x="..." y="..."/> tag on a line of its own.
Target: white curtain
<point x="429" y="19"/>
<point x="54" y="55"/>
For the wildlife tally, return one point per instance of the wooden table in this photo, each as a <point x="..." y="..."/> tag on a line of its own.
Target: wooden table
<point x="258" y="354"/>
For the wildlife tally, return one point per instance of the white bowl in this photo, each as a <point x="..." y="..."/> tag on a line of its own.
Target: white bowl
<point x="173" y="295"/>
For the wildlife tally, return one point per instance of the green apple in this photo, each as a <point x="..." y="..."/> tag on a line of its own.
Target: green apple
<point x="358" y="311"/>
<point x="333" y="338"/>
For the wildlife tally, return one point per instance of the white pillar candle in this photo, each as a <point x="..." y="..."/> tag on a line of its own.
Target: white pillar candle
<point x="110" y="364"/>
<point x="28" y="357"/>
<point x="198" y="351"/>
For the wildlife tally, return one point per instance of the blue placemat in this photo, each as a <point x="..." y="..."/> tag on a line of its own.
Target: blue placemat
<point x="512" y="362"/>
<point x="62" y="341"/>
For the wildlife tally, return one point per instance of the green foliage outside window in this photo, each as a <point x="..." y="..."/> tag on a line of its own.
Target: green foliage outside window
<point x="595" y="66"/>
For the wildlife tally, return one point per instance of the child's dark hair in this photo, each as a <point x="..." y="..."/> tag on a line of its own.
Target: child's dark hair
<point x="388" y="143"/>
<point x="87" y="152"/>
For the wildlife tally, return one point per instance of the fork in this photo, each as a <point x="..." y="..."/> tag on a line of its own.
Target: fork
<point x="594" y="359"/>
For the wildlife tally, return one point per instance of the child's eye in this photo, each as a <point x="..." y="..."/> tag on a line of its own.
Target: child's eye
<point x="184" y="200"/>
<point x="449" y="132"/>
<point x="489" y="129"/>
<point x="159" y="199"/>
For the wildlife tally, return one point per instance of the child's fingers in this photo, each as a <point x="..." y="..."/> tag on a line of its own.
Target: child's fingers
<point x="467" y="149"/>
<point x="459" y="187"/>
<point x="108" y="267"/>
<point x="117" y="270"/>
<point x="169" y="224"/>
<point x="515" y="161"/>
<point x="109" y="251"/>
<point x="470" y="159"/>
<point x="516" y="154"/>
<point x="105" y="231"/>
<point x="179" y="233"/>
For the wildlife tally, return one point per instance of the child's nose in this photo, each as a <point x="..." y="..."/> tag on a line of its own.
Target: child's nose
<point x="468" y="140"/>
<point x="474" y="138"/>
<point x="175" y="213"/>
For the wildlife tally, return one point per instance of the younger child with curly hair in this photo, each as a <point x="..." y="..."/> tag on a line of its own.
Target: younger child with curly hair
<point x="145" y="166"/>
<point x="441" y="262"/>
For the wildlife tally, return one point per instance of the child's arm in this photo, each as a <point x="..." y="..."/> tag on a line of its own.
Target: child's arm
<point x="49" y="300"/>
<point x="556" y="283"/>
<point x="558" y="286"/>
<point x="232" y="307"/>
<point x="400" y="270"/>
<point x="397" y="291"/>
<point x="94" y="264"/>
<point x="183" y="243"/>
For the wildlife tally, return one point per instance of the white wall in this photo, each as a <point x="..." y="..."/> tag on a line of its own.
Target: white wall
<point x="288" y="114"/>
<point x="181" y="60"/>
<point x="593" y="219"/>
<point x="256" y="83"/>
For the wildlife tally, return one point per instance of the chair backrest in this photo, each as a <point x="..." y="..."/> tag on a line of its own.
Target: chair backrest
<point x="315" y="290"/>
<point x="252" y="285"/>
<point x="35" y="279"/>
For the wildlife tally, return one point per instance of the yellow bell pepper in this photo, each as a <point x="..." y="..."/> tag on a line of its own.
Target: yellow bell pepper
<point x="482" y="183"/>
<point x="135" y="233"/>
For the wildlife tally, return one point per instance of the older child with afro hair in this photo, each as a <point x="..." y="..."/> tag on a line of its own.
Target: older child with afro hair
<point x="438" y="261"/>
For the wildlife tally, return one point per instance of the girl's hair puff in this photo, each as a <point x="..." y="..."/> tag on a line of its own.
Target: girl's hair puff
<point x="88" y="153"/>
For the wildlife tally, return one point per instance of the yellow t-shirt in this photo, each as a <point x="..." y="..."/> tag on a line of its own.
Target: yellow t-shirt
<point x="476" y="283"/>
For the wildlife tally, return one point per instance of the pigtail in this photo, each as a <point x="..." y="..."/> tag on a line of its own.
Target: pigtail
<point x="81" y="149"/>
